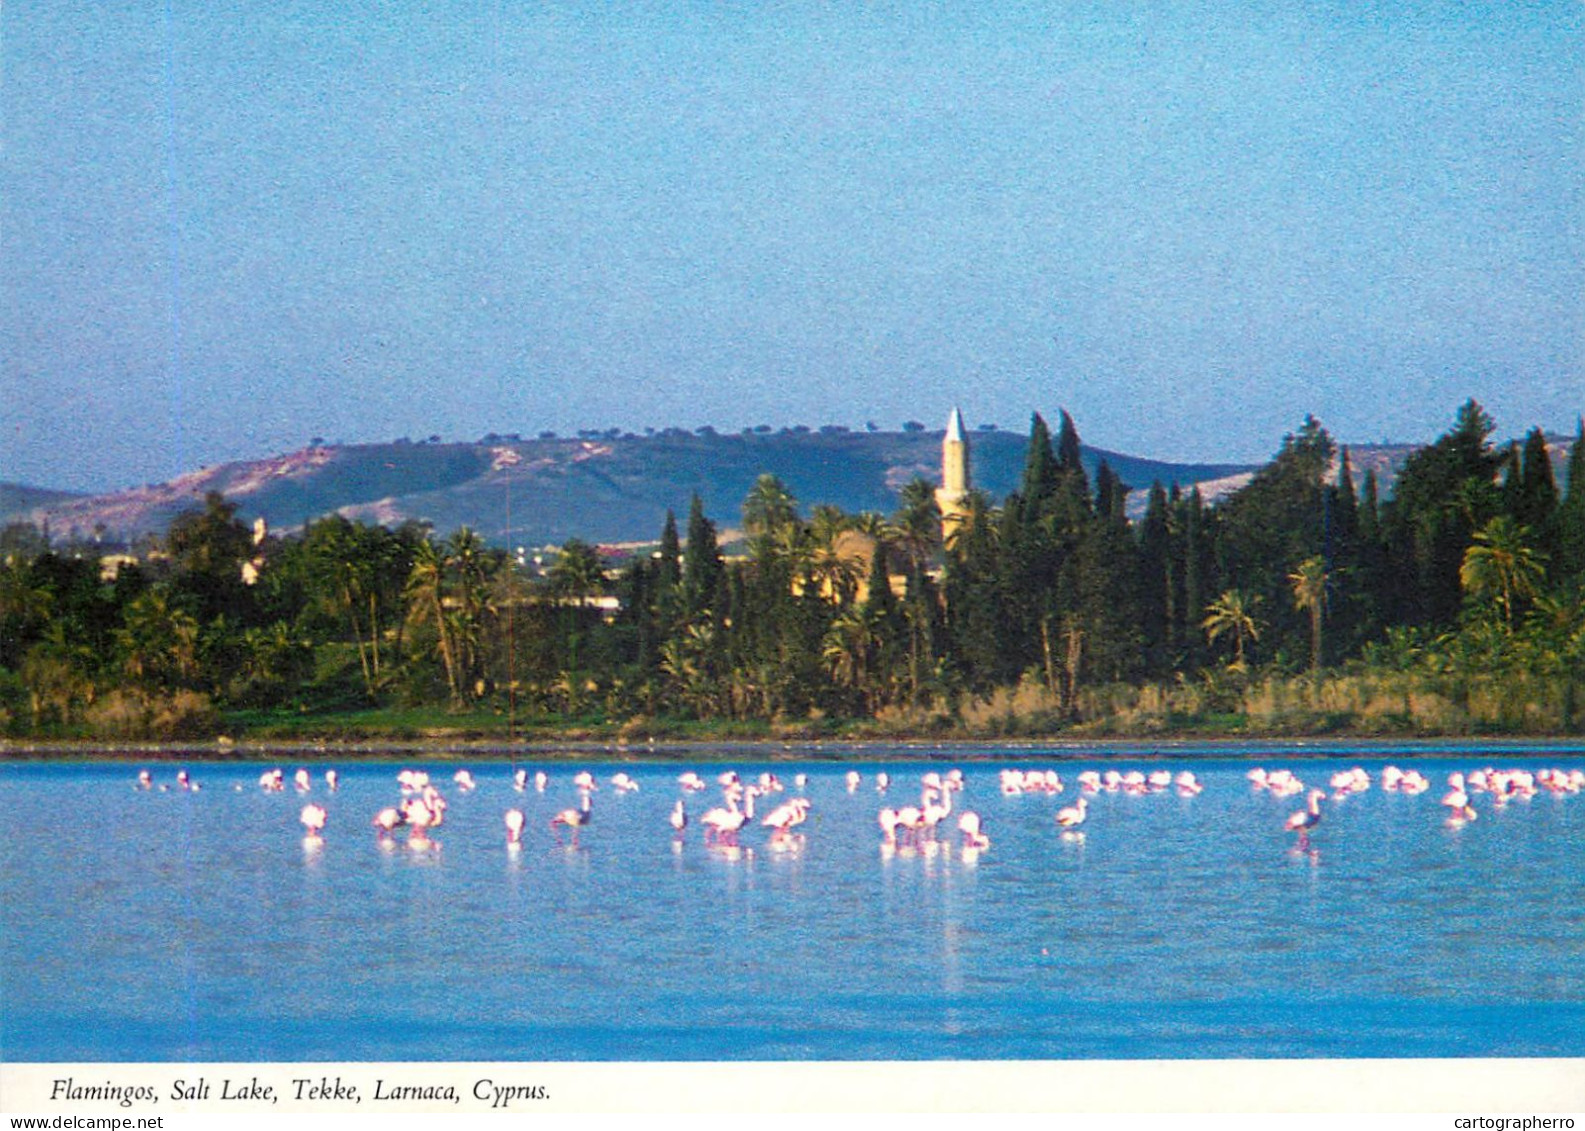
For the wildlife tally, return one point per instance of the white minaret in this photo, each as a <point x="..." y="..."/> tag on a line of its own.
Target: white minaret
<point x="952" y="498"/>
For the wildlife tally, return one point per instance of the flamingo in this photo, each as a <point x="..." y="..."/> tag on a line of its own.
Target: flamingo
<point x="520" y="780"/>
<point x="386" y="820"/>
<point x="420" y="818"/>
<point x="573" y="819"/>
<point x="852" y="780"/>
<point x="931" y="812"/>
<point x="540" y="779"/>
<point x="514" y="826"/>
<point x="1073" y="816"/>
<point x="882" y="780"/>
<point x="464" y="781"/>
<point x="584" y="780"/>
<point x="302" y="781"/>
<point x="973" y="835"/>
<point x="1458" y="802"/>
<point x="332" y="780"/>
<point x="1307" y="818"/>
<point x="435" y="803"/>
<point x="623" y="783"/>
<point x="146" y="780"/>
<point x="313" y="818"/>
<point x="679" y="818"/>
<point x="784" y="817"/>
<point x="888" y="819"/>
<point x="690" y="781"/>
<point x="417" y="814"/>
<point x="725" y="823"/>
<point x="911" y="818"/>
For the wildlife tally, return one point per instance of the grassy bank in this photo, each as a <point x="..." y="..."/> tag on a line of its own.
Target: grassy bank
<point x="1222" y="705"/>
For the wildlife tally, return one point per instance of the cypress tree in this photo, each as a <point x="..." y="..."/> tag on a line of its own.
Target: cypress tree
<point x="1535" y="502"/>
<point x="1444" y="493"/>
<point x="666" y="584"/>
<point x="1040" y="471"/>
<point x="1571" y="515"/>
<point x="1155" y="580"/>
<point x="670" y="559"/>
<point x="1069" y="450"/>
<point x="701" y="562"/>
<point x="1195" y="582"/>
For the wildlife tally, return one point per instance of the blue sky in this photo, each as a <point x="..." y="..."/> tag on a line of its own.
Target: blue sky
<point x="227" y="228"/>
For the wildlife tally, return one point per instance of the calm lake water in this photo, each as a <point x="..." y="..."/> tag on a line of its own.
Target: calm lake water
<point x="169" y="925"/>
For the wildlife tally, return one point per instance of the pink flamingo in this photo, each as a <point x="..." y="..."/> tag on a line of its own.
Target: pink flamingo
<point x="387" y="819"/>
<point x="722" y="825"/>
<point x="932" y="812"/>
<point x="313" y="818"/>
<point x="1458" y="802"/>
<point x="1307" y="818"/>
<point x="1073" y="816"/>
<point x="514" y="826"/>
<point x="784" y="818"/>
<point x="679" y="818"/>
<point x="973" y="835"/>
<point x="573" y="819"/>
<point x="889" y="820"/>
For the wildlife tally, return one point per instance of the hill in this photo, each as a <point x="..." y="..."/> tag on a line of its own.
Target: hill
<point x="606" y="488"/>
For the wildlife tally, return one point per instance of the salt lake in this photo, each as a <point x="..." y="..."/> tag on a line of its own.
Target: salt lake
<point x="173" y="925"/>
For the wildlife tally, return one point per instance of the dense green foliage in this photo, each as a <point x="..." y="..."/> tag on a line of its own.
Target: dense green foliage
<point x="1297" y="603"/>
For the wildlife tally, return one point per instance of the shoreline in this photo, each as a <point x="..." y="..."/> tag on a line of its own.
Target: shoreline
<point x="766" y="749"/>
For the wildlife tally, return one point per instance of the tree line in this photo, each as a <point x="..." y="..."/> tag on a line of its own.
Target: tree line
<point x="1463" y="588"/>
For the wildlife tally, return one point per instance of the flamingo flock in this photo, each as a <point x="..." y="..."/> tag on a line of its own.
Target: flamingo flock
<point x="422" y="808"/>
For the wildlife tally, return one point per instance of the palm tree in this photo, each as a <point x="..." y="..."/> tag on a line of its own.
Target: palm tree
<point x="917" y="524"/>
<point x="1502" y="565"/>
<point x="159" y="643"/>
<point x="343" y="571"/>
<point x="1309" y="583"/>
<point x="577" y="573"/>
<point x="769" y="507"/>
<point x="1233" y="612"/>
<point x="426" y="586"/>
<point x="848" y="645"/>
